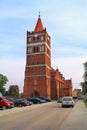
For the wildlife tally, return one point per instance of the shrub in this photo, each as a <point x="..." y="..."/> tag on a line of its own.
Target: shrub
<point x="85" y="101"/>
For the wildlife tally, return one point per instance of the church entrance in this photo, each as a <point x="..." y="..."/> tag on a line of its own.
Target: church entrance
<point x="35" y="94"/>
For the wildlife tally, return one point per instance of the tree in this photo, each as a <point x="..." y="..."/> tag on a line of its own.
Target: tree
<point x="13" y="90"/>
<point x="3" y="81"/>
<point x="84" y="83"/>
<point x="85" y="72"/>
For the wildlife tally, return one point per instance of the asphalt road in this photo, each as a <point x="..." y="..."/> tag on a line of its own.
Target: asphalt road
<point x="48" y="116"/>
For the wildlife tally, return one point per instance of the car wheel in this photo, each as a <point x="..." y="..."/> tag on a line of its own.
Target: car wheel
<point x="62" y="106"/>
<point x="38" y="102"/>
<point x="3" y="107"/>
<point x="20" y="105"/>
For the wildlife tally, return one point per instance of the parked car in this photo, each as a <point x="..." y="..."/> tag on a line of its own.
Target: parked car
<point x="9" y="99"/>
<point x="59" y="100"/>
<point x="21" y="102"/>
<point x="35" y="100"/>
<point x="4" y="103"/>
<point x="68" y="101"/>
<point x="79" y="97"/>
<point x="46" y="99"/>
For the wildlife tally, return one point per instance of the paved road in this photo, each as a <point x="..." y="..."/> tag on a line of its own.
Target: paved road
<point x="77" y="119"/>
<point x="36" y="117"/>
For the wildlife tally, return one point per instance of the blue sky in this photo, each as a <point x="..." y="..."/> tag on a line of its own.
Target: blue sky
<point x="66" y="23"/>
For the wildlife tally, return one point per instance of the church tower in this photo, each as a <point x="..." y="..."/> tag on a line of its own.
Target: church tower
<point x="38" y="62"/>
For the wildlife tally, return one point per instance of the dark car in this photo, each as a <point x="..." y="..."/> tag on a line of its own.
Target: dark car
<point x="59" y="100"/>
<point x="21" y="102"/>
<point x="79" y="97"/>
<point x="46" y="99"/>
<point x="36" y="100"/>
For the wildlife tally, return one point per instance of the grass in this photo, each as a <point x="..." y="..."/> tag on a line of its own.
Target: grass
<point x="85" y="101"/>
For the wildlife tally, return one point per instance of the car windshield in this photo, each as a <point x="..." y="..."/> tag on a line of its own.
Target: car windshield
<point x="67" y="99"/>
<point x="5" y="99"/>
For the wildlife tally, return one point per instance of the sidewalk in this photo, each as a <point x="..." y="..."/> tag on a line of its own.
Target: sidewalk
<point x="77" y="119"/>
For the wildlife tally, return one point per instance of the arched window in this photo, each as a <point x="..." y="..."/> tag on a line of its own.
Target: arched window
<point x="35" y="49"/>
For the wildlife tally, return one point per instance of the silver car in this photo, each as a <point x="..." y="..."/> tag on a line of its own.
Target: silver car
<point x="68" y="101"/>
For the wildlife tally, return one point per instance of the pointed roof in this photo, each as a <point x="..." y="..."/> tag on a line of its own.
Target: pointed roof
<point x="39" y="25"/>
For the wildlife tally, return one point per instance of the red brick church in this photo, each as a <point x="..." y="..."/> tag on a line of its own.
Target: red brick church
<point x="40" y="78"/>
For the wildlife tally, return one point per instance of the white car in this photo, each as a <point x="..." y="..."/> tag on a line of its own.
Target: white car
<point x="68" y="101"/>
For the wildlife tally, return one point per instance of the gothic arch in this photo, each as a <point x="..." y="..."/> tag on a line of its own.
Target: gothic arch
<point x="35" y="94"/>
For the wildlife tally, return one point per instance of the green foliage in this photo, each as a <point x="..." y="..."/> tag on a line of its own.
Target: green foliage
<point x="85" y="71"/>
<point x="13" y="90"/>
<point x="85" y="66"/>
<point x="85" y="101"/>
<point x="84" y="87"/>
<point x="84" y="84"/>
<point x="3" y="81"/>
<point x="6" y="93"/>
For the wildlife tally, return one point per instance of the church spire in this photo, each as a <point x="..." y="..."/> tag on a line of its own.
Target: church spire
<point x="39" y="14"/>
<point x="39" y="25"/>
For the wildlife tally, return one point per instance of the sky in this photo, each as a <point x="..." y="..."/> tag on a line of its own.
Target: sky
<point x="66" y="23"/>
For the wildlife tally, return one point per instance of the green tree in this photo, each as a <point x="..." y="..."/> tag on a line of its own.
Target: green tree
<point x="13" y="90"/>
<point x="3" y="81"/>
<point x="85" y="72"/>
<point x="84" y="83"/>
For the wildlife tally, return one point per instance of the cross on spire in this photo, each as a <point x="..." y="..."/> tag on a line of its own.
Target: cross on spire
<point x="39" y="14"/>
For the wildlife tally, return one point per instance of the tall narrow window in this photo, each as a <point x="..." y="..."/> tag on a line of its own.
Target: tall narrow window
<point x="29" y="39"/>
<point x="42" y="38"/>
<point x="29" y="50"/>
<point x="35" y="49"/>
<point x="41" y="48"/>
